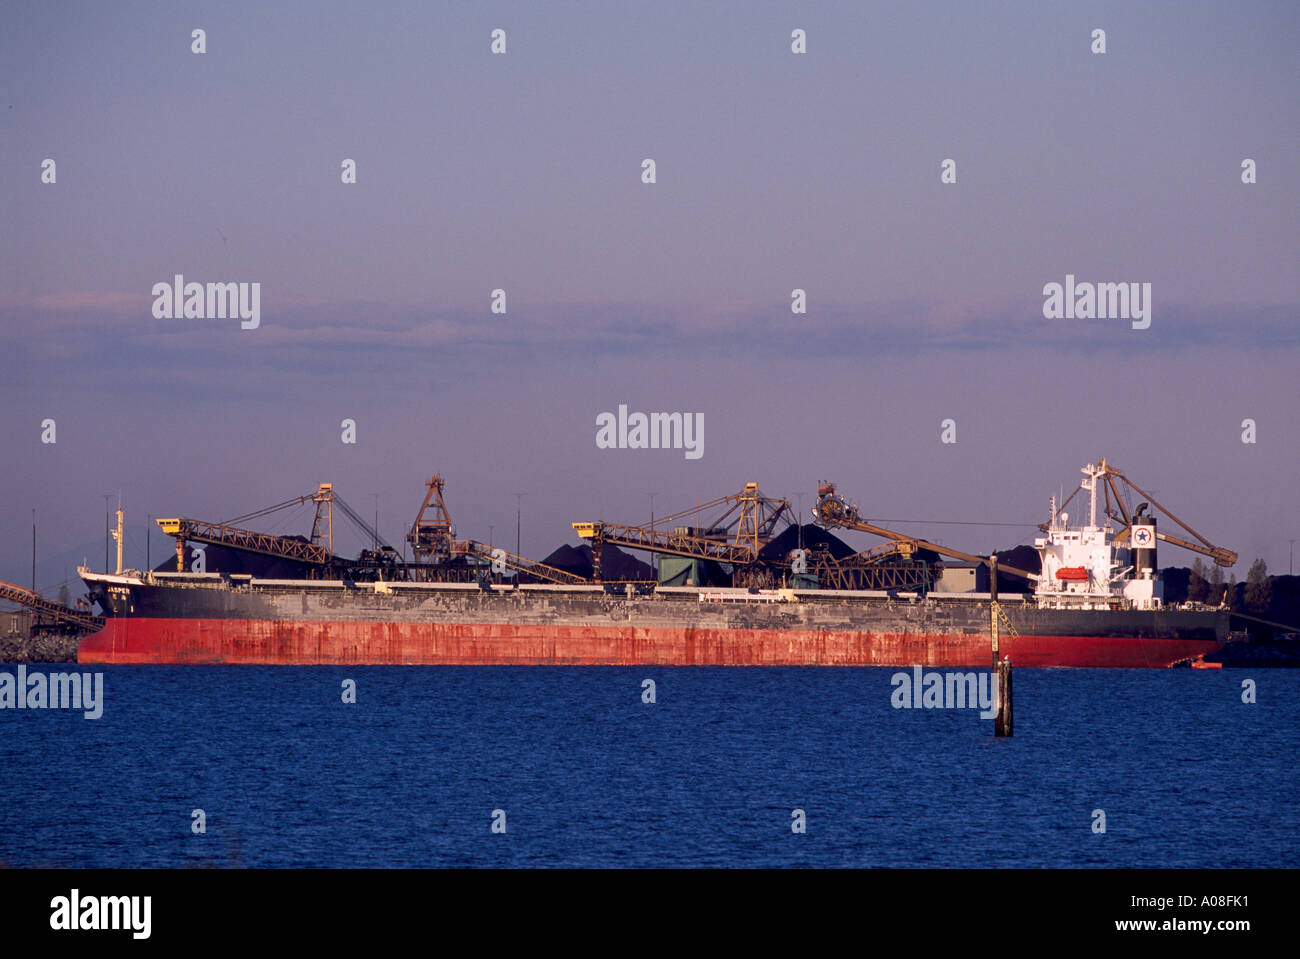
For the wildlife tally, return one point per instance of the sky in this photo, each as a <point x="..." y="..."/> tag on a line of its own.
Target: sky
<point x="522" y="171"/>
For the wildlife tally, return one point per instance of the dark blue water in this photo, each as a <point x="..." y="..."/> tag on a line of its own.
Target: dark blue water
<point x="588" y="775"/>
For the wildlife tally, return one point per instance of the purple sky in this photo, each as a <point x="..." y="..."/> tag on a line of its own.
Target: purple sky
<point x="522" y="171"/>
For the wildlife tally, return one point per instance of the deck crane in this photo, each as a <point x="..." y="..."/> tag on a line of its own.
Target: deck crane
<point x="833" y="510"/>
<point x="1119" y="512"/>
<point x="748" y="522"/>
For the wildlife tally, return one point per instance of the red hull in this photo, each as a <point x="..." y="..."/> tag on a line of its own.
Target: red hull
<point x="275" y="642"/>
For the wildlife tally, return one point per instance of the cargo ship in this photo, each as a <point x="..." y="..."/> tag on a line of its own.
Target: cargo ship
<point x="1096" y="602"/>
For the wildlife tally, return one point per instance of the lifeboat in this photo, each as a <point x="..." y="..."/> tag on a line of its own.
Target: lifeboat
<point x="1077" y="574"/>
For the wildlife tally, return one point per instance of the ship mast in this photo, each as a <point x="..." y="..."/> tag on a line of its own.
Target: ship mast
<point x="1090" y="484"/>
<point x="118" y="535"/>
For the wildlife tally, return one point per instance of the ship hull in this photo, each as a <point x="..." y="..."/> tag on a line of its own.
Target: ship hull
<point x="334" y="624"/>
<point x="271" y="642"/>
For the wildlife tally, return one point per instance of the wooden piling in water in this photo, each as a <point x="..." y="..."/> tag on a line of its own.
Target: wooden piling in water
<point x="1002" y="721"/>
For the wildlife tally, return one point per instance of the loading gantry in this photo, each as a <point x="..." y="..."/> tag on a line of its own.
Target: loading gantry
<point x="748" y="522"/>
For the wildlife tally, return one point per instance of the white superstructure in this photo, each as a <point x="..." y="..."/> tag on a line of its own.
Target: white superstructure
<point x="1080" y="570"/>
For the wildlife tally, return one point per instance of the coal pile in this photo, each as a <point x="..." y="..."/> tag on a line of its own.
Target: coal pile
<point x="1021" y="557"/>
<point x="615" y="565"/>
<point x="814" y="537"/>
<point x="223" y="559"/>
<point x="1176" y="580"/>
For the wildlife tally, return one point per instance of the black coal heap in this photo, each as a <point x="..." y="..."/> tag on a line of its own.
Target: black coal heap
<point x="614" y="563"/>
<point x="814" y="537"/>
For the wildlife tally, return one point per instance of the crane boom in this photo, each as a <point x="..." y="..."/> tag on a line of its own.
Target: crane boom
<point x="668" y="543"/>
<point x="250" y="541"/>
<point x="833" y="510"/>
<point x="1221" y="556"/>
<point x="266" y="544"/>
<point x="749" y="521"/>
